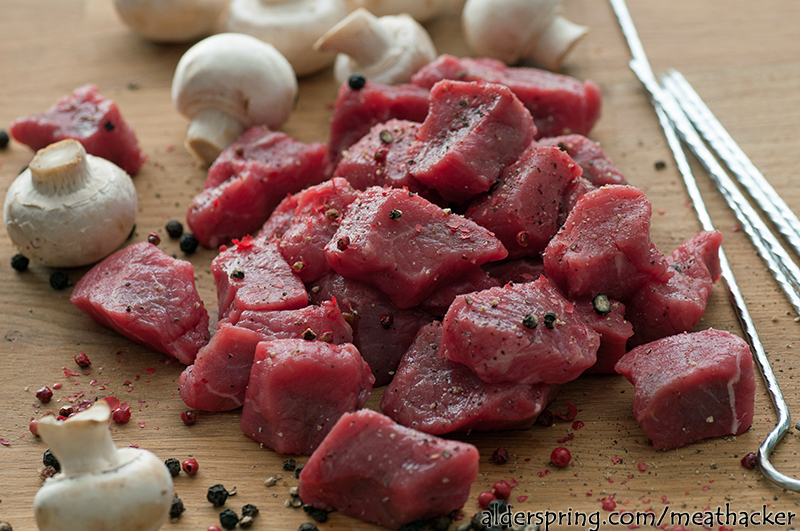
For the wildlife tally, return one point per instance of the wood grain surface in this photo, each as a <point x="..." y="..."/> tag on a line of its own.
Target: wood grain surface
<point x="743" y="58"/>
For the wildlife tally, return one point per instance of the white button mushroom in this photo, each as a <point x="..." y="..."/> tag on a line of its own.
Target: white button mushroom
<point x="292" y="26"/>
<point x="227" y="83"/>
<point x="69" y="209"/>
<point x="100" y="486"/>
<point x="512" y="30"/>
<point x="171" y="20"/>
<point x="386" y="50"/>
<point x="419" y="10"/>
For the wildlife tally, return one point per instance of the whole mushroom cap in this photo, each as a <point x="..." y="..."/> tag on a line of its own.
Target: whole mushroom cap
<point x="170" y="20"/>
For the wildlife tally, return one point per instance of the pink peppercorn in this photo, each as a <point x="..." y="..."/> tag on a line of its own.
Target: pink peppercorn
<point x="749" y="461"/>
<point x="82" y="360"/>
<point x="122" y="414"/>
<point x="190" y="466"/>
<point x="485" y="498"/>
<point x="34" y="427"/>
<point x="560" y="457"/>
<point x="213" y="528"/>
<point x="500" y="456"/>
<point x="44" y="394"/>
<point x="189" y="416"/>
<point x="502" y="490"/>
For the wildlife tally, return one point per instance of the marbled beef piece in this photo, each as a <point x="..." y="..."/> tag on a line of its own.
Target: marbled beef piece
<point x="298" y="389"/>
<point x="691" y="386"/>
<point x="472" y="132"/>
<point x="248" y="180"/>
<point x="663" y="309"/>
<point x="253" y="275"/>
<point x="315" y="219"/>
<point x="613" y="329"/>
<point x="406" y="246"/>
<point x="357" y="110"/>
<point x="473" y="279"/>
<point x="148" y="297"/>
<point x="373" y="469"/>
<point x="440" y="396"/>
<point x="91" y="119"/>
<point x="560" y="105"/>
<point x="381" y="331"/>
<point x="519" y="270"/>
<point x="519" y="333"/>
<point x="522" y="210"/>
<point x="597" y="167"/>
<point x="605" y="247"/>
<point x="217" y="380"/>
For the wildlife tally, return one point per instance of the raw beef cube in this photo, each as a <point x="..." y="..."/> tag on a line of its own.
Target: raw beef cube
<point x="597" y="167"/>
<point x="298" y="390"/>
<point x="474" y="279"/>
<point x="380" y="159"/>
<point x="520" y="270"/>
<point x="520" y="333"/>
<point x="248" y="180"/>
<point x="253" y="275"/>
<point x="577" y="188"/>
<point x="373" y="469"/>
<point x="522" y="210"/>
<point x="613" y="329"/>
<point x="560" y="105"/>
<point x="148" y="297"/>
<point x="663" y="309"/>
<point x="381" y="331"/>
<point x="472" y="132"/>
<point x="91" y="119"/>
<point x="440" y="396"/>
<point x="315" y="219"/>
<point x="406" y="246"/>
<point x="217" y="380"/>
<point x="279" y="220"/>
<point x="357" y="110"/>
<point x="605" y="247"/>
<point x="691" y="386"/>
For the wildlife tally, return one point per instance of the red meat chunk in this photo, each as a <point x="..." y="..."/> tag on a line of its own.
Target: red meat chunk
<point x="472" y="132"/>
<point x="522" y="210"/>
<point x="439" y="396"/>
<point x="577" y="188"/>
<point x="560" y="105"/>
<point x="691" y="386"/>
<point x="406" y="246"/>
<point x="372" y="469"/>
<point x="217" y="380"/>
<point x="605" y="246"/>
<point x="298" y="390"/>
<point x="91" y="119"/>
<point x="148" y="297"/>
<point x="597" y="167"/>
<point x="315" y="219"/>
<point x="663" y="309"/>
<point x="253" y="275"/>
<point x="473" y="279"/>
<point x="520" y="333"/>
<point x="278" y="222"/>
<point x="248" y="180"/>
<point x="381" y="331"/>
<point x="519" y="270"/>
<point x="614" y="333"/>
<point x="357" y="110"/>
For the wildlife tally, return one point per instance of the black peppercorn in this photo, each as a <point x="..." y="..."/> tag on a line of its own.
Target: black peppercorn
<point x="188" y="243"/>
<point x="386" y="136"/>
<point x="4" y="139"/>
<point x="297" y="471"/>
<point x="530" y="321"/>
<point x="19" y="262"/>
<point x="660" y="165"/>
<point x="550" y="320"/>
<point x="249" y="510"/>
<point x="108" y="125"/>
<point x="395" y="214"/>
<point x="59" y="280"/>
<point x="217" y="495"/>
<point x="228" y="519"/>
<point x="48" y="459"/>
<point x="174" y="229"/>
<point x="289" y="465"/>
<point x="177" y="508"/>
<point x="245" y="522"/>
<point x="319" y="515"/>
<point x="356" y="81"/>
<point x="308" y="526"/>
<point x="174" y="466"/>
<point x="237" y="274"/>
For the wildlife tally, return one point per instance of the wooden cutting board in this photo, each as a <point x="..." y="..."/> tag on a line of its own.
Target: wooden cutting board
<point x="742" y="57"/>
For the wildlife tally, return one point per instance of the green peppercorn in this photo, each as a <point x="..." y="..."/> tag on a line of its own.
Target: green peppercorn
<point x="386" y="136"/>
<point x="395" y="214"/>
<point x="59" y="280"/>
<point x="19" y="262"/>
<point x="228" y="519"/>
<point x="601" y="304"/>
<point x="289" y="465"/>
<point x="48" y="459"/>
<point x="249" y="510"/>
<point x="174" y="229"/>
<point x="177" y="508"/>
<point x="356" y="81"/>
<point x="550" y="320"/>
<point x="217" y="495"/>
<point x="530" y="321"/>
<point x="174" y="466"/>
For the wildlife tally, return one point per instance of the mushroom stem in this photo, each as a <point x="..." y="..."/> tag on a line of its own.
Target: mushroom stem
<point x="360" y="36"/>
<point x="60" y="168"/>
<point x="211" y="131"/>
<point x="553" y="43"/>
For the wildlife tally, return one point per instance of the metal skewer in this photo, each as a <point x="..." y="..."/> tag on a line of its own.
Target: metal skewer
<point x="641" y="67"/>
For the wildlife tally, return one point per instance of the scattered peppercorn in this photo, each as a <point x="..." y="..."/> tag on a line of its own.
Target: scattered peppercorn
<point x="319" y="515"/>
<point x="249" y="510"/>
<point x="122" y="415"/>
<point x="660" y="165"/>
<point x="356" y="81"/>
<point x="502" y="489"/>
<point x="177" y="508"/>
<point x="395" y="214"/>
<point x="82" y="360"/>
<point x="59" y="280"/>
<point x="550" y="320"/>
<point x="387" y="320"/>
<point x="153" y="238"/>
<point x="109" y="126"/>
<point x="20" y="262"/>
<point x="188" y="243"/>
<point x="65" y="411"/>
<point x="309" y="335"/>
<point x="560" y="457"/>
<point x="189" y="416"/>
<point x="308" y="526"/>
<point x="343" y="243"/>
<point x="48" y="459"/>
<point x="484" y="498"/>
<point x="289" y="465"/>
<point x="530" y="321"/>
<point x="174" y="229"/>
<point x="601" y="304"/>
<point x="190" y="466"/>
<point x="44" y="394"/>
<point x="4" y="139"/>
<point x="174" y="466"/>
<point x="228" y="519"/>
<point x="237" y="273"/>
<point x="386" y="136"/>
<point x="217" y="495"/>
<point x="750" y="460"/>
<point x="523" y="238"/>
<point x="500" y="456"/>
<point x="297" y="471"/>
<point x="332" y="213"/>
